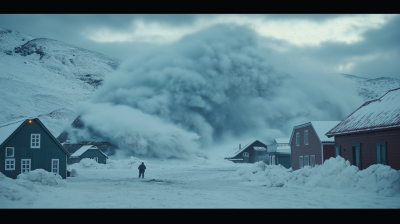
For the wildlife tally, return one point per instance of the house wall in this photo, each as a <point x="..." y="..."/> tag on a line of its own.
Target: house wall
<point x="284" y="160"/>
<point x="91" y="153"/>
<point x="313" y="147"/>
<point x="329" y="151"/>
<point x="40" y="157"/>
<point x="367" y="142"/>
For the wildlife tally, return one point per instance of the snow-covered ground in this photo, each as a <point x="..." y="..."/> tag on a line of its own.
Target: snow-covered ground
<point x="202" y="183"/>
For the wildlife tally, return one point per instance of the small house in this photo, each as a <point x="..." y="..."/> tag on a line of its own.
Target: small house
<point x="26" y="145"/>
<point x="371" y="134"/>
<point x="81" y="151"/>
<point x="279" y="152"/>
<point x="250" y="153"/>
<point x="309" y="145"/>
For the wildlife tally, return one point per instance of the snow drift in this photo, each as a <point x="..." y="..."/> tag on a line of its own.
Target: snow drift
<point x="131" y="163"/>
<point x="334" y="173"/>
<point x="43" y="177"/>
<point x="219" y="84"/>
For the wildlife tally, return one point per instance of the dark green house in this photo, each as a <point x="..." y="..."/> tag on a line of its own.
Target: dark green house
<point x="27" y="145"/>
<point x="81" y="151"/>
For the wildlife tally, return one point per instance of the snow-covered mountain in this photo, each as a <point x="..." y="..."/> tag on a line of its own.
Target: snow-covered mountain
<point x="46" y="78"/>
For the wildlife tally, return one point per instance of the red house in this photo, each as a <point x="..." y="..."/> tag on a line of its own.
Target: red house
<point x="309" y="145"/>
<point x="371" y="134"/>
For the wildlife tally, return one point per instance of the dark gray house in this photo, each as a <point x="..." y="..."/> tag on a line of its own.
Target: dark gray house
<point x="81" y="151"/>
<point x="279" y="152"/>
<point x="250" y="153"/>
<point x="27" y="145"/>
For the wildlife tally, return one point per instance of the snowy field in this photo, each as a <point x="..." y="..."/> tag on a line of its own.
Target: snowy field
<point x="205" y="183"/>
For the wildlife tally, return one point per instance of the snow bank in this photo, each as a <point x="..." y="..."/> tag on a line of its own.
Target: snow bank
<point x="43" y="177"/>
<point x="334" y="173"/>
<point x="130" y="163"/>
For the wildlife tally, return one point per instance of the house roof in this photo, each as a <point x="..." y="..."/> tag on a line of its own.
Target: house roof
<point x="376" y="114"/>
<point x="9" y="129"/>
<point x="282" y="140"/>
<point x="283" y="149"/>
<point x="320" y="128"/>
<point x="83" y="149"/>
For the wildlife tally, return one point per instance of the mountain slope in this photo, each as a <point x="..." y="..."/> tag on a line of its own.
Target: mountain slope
<point x="46" y="78"/>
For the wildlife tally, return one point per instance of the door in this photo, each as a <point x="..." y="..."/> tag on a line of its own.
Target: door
<point x="25" y="165"/>
<point x="356" y="155"/>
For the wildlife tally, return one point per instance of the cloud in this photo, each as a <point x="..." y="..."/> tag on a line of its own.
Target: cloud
<point x="219" y="84"/>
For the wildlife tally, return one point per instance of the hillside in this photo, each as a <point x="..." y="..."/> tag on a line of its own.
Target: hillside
<point x="46" y="78"/>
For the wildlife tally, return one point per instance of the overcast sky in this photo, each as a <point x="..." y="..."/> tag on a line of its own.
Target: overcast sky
<point x="362" y="45"/>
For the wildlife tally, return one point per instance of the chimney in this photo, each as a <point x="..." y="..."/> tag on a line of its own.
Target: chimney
<point x="240" y="147"/>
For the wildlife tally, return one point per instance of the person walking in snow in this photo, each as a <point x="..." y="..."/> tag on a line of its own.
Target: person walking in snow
<point x="141" y="168"/>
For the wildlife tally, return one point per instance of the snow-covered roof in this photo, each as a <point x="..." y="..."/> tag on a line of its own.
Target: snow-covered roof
<point x="376" y="114"/>
<point x="283" y="149"/>
<point x="83" y="149"/>
<point x="259" y="148"/>
<point x="6" y="129"/>
<point x="282" y="140"/>
<point x="321" y="127"/>
<point x="242" y="149"/>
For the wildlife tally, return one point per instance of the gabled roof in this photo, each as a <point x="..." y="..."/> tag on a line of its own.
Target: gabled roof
<point x="245" y="147"/>
<point x="320" y="128"/>
<point x="84" y="148"/>
<point x="376" y="114"/>
<point x="8" y="130"/>
<point x="282" y="140"/>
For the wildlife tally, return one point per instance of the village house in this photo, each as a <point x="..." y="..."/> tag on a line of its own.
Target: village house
<point x="309" y="145"/>
<point x="81" y="151"/>
<point x="27" y="145"/>
<point x="371" y="134"/>
<point x="250" y="153"/>
<point x="279" y="152"/>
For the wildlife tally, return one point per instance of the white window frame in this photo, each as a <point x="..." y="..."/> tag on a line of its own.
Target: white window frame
<point x="58" y="166"/>
<point x="297" y="138"/>
<point x="306" y="160"/>
<point x="270" y="160"/>
<point x="305" y="137"/>
<point x="22" y="163"/>
<point x="35" y="136"/>
<point x="13" y="151"/>
<point x="312" y="160"/>
<point x="301" y="162"/>
<point x="273" y="160"/>
<point x="12" y="164"/>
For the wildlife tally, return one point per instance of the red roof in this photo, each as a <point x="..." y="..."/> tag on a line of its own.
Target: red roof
<point x="376" y="114"/>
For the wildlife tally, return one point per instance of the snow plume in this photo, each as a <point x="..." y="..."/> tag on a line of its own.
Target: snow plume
<point x="217" y="85"/>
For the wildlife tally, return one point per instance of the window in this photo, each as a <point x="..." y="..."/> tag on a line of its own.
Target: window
<point x="25" y="165"/>
<point x="245" y="154"/>
<point x="10" y="164"/>
<point x="306" y="161"/>
<point x="301" y="162"/>
<point x="273" y="160"/>
<point x="337" y="150"/>
<point x="96" y="159"/>
<point x="312" y="157"/>
<point x="297" y="139"/>
<point x="9" y="151"/>
<point x="55" y="165"/>
<point x="35" y="140"/>
<point x="306" y="137"/>
<point x="380" y="153"/>
<point x="270" y="160"/>
<point x="356" y="155"/>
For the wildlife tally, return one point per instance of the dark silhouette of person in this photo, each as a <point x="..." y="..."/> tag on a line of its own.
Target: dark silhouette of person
<point x="141" y="168"/>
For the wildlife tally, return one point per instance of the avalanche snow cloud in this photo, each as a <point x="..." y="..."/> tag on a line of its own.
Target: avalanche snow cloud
<point x="208" y="88"/>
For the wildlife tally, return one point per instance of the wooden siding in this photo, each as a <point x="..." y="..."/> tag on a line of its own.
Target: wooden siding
<point x="40" y="157"/>
<point x="313" y="147"/>
<point x="329" y="151"/>
<point x="367" y="142"/>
